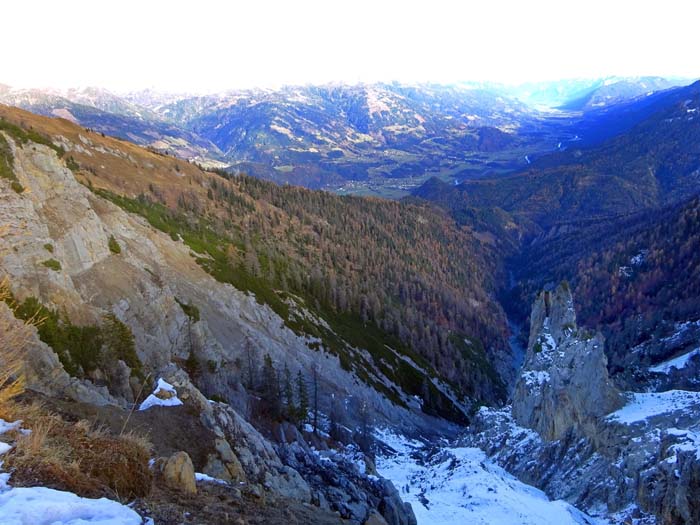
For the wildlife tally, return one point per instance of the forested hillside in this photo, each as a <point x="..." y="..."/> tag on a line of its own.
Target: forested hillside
<point x="613" y="219"/>
<point x="399" y="269"/>
<point x="378" y="272"/>
<point x="635" y="276"/>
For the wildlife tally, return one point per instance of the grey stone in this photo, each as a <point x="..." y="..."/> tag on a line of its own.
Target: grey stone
<point x="254" y="490"/>
<point x="564" y="381"/>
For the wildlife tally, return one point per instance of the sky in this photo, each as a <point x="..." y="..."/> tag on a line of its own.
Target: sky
<point x="209" y="45"/>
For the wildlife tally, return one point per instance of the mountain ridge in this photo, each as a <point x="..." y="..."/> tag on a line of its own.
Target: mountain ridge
<point x="379" y="138"/>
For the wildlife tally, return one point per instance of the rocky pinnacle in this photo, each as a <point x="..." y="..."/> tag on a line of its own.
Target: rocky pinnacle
<point x="564" y="381"/>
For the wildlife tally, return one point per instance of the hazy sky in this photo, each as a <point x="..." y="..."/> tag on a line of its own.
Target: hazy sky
<point x="207" y="45"/>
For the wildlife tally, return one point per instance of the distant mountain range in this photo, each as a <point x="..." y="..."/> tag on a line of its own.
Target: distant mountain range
<point x="613" y="91"/>
<point x="110" y="114"/>
<point x="585" y="94"/>
<point x="654" y="162"/>
<point x="380" y="139"/>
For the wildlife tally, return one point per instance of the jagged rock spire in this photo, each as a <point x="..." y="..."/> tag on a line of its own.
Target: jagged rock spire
<point x="564" y="381"/>
<point x="557" y="306"/>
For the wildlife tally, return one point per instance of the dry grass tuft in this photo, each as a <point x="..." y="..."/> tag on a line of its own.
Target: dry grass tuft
<point x="74" y="457"/>
<point x="34" y="443"/>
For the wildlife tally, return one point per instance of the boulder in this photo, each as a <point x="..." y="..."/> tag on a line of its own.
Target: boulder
<point x="178" y="473"/>
<point x="120" y="381"/>
<point x="370" y="466"/>
<point x="216" y="468"/>
<point x="288" y="483"/>
<point x="395" y="511"/>
<point x="254" y="490"/>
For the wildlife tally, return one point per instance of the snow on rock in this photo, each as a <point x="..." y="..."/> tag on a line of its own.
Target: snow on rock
<point x="645" y="405"/>
<point x="689" y="440"/>
<point x="43" y="506"/>
<point x="163" y="395"/>
<point x="677" y="362"/>
<point x="6" y="427"/>
<point x="680" y="330"/>
<point x="504" y="429"/>
<point x="349" y="454"/>
<point x="461" y="485"/>
<point x="204" y="477"/>
<point x="535" y="377"/>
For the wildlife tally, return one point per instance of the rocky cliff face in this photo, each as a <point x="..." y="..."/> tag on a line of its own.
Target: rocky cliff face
<point x="564" y="381"/>
<point x="59" y="219"/>
<point x="45" y="374"/>
<point x="56" y="248"/>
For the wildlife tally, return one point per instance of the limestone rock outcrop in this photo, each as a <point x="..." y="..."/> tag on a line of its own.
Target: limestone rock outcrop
<point x="573" y="434"/>
<point x="564" y="381"/>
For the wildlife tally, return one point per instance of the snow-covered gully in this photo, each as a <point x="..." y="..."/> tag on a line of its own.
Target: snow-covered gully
<point x="449" y="485"/>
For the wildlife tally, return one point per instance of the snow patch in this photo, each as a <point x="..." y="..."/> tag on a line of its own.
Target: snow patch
<point x="163" y="395"/>
<point x="677" y="362"/>
<point x="43" y="506"/>
<point x="204" y="477"/>
<point x="7" y="427"/>
<point x="645" y="405"/>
